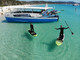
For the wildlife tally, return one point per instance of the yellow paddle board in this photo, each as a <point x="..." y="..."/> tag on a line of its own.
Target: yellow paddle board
<point x="58" y="42"/>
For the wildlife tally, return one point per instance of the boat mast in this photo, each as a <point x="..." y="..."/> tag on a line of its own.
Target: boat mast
<point x="46" y="6"/>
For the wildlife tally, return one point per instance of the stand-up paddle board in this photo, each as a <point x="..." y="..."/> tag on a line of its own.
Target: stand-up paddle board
<point x="60" y="40"/>
<point x="32" y="33"/>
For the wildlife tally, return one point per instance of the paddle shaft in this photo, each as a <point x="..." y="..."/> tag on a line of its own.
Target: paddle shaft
<point x="69" y="28"/>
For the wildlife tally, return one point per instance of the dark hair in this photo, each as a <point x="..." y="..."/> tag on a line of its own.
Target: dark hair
<point x="61" y="25"/>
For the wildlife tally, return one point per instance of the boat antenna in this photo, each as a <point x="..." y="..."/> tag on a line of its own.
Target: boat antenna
<point x="46" y="6"/>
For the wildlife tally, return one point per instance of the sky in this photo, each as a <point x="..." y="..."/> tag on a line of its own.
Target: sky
<point x="52" y="0"/>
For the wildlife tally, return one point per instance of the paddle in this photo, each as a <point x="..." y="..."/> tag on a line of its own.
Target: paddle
<point x="69" y="28"/>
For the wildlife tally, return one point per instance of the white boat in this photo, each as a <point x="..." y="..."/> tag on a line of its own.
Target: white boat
<point x="32" y="14"/>
<point x="76" y="4"/>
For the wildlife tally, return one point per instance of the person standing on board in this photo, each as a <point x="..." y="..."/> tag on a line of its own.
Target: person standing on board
<point x="31" y="27"/>
<point x="31" y="31"/>
<point x="75" y="9"/>
<point x="61" y="31"/>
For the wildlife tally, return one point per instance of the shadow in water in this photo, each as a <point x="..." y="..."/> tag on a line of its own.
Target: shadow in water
<point x="51" y="46"/>
<point x="28" y="36"/>
<point x="4" y="21"/>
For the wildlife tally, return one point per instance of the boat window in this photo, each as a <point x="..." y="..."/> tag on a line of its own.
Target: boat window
<point x="22" y="15"/>
<point x="30" y="11"/>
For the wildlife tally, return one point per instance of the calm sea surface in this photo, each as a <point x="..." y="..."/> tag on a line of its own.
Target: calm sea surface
<point x="17" y="44"/>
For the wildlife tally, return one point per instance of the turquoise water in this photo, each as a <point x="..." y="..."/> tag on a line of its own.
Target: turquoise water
<point x="17" y="44"/>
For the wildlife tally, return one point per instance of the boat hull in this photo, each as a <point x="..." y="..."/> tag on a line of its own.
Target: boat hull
<point x="14" y="19"/>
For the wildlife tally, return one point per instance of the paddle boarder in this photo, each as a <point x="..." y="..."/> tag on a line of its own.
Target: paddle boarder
<point x="31" y="27"/>
<point x="75" y="9"/>
<point x="31" y="31"/>
<point x="61" y="32"/>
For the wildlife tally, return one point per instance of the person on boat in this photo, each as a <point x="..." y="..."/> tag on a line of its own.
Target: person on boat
<point x="44" y="13"/>
<point x="31" y="27"/>
<point x="61" y="35"/>
<point x="54" y="11"/>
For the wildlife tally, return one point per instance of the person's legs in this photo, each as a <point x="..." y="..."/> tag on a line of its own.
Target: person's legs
<point x="32" y="30"/>
<point x="61" y="36"/>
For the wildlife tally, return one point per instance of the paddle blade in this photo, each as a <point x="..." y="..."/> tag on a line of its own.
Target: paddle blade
<point x="72" y="33"/>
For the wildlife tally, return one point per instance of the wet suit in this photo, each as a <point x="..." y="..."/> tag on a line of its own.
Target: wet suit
<point x="61" y="32"/>
<point x="32" y="30"/>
